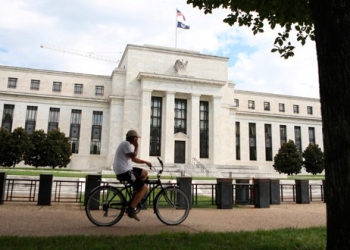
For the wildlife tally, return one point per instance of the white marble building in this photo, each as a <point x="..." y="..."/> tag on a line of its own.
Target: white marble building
<point x="180" y="101"/>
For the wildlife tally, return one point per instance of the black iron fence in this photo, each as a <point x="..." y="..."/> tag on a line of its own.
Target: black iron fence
<point x="202" y="194"/>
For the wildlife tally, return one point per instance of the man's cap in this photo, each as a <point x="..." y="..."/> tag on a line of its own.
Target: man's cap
<point x="132" y="133"/>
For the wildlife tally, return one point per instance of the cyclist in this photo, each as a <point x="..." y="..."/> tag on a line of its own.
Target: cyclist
<point x="124" y="156"/>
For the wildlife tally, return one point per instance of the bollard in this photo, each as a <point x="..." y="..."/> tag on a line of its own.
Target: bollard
<point x="242" y="192"/>
<point x="91" y="181"/>
<point x="302" y="191"/>
<point x="2" y="187"/>
<point x="45" y="189"/>
<point x="224" y="193"/>
<point x="275" y="195"/>
<point x="261" y="193"/>
<point x="185" y="184"/>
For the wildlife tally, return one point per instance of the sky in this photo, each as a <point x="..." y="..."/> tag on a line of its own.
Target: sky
<point x="106" y="27"/>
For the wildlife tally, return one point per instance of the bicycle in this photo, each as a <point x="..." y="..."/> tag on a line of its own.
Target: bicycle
<point x="106" y="204"/>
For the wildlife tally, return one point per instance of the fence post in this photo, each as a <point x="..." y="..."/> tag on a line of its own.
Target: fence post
<point x="45" y="189"/>
<point x="91" y="181"/>
<point x="185" y="184"/>
<point x="261" y="193"/>
<point x="224" y="193"/>
<point x="302" y="191"/>
<point x="275" y="195"/>
<point x="2" y="187"/>
<point x="242" y="191"/>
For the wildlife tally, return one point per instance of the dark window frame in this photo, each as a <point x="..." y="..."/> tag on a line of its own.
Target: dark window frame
<point x="267" y="106"/>
<point x="12" y="82"/>
<point x="180" y="117"/>
<point x="156" y="126"/>
<point x="78" y="88"/>
<point x="96" y="132"/>
<point x="204" y="129"/>
<point x="34" y="84"/>
<point x="251" y="104"/>
<point x="56" y="86"/>
<point x="99" y="90"/>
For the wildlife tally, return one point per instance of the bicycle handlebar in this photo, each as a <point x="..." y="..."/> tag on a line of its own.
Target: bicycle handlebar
<point x="161" y="170"/>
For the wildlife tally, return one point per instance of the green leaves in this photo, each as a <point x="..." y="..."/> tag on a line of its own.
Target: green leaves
<point x="313" y="159"/>
<point x="288" y="159"/>
<point x="288" y="14"/>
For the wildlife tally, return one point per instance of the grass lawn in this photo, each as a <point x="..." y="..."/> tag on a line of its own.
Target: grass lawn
<point x="289" y="238"/>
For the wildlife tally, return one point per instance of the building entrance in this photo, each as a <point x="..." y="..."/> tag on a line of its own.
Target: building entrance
<point x="180" y="152"/>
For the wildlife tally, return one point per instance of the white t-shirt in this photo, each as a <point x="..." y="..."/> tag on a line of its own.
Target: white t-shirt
<point x="122" y="163"/>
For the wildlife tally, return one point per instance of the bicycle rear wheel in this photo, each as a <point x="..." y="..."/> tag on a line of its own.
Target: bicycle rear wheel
<point x="105" y="206"/>
<point x="172" y="206"/>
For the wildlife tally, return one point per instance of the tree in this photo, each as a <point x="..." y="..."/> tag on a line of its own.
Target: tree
<point x="288" y="159"/>
<point x="17" y="145"/>
<point x="328" y="23"/>
<point x="4" y="139"/>
<point x="313" y="159"/>
<point x="35" y="154"/>
<point x="58" y="149"/>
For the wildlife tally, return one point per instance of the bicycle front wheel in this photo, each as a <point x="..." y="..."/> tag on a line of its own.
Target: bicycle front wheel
<point x="172" y="206"/>
<point x="105" y="206"/>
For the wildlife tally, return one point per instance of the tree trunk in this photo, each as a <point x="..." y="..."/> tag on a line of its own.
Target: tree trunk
<point x="332" y="27"/>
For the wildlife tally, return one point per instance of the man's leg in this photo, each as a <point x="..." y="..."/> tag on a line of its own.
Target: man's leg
<point x="139" y="194"/>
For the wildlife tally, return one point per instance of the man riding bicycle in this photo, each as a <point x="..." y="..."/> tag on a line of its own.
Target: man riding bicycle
<point x="124" y="156"/>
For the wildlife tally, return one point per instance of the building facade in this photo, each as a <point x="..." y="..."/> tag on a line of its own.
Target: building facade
<point x="181" y="103"/>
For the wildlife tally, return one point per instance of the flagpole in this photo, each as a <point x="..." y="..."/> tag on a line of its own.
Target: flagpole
<point x="175" y="28"/>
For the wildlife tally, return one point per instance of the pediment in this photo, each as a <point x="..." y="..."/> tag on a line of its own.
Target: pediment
<point x="181" y="135"/>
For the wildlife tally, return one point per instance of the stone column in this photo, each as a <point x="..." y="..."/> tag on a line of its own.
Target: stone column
<point x="168" y="137"/>
<point x="215" y="131"/>
<point x="193" y="127"/>
<point x="145" y="121"/>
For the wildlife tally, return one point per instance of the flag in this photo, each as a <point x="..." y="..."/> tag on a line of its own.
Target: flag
<point x="182" y="26"/>
<point x="178" y="13"/>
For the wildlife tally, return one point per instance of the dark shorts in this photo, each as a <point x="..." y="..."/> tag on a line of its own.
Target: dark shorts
<point x="138" y="183"/>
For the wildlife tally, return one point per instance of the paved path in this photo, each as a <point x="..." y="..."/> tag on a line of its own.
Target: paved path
<point x="27" y="219"/>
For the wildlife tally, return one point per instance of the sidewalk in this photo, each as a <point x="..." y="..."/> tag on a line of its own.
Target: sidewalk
<point x="28" y="219"/>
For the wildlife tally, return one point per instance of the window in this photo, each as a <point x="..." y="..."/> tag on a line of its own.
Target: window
<point x="96" y="130"/>
<point x="56" y="86"/>
<point x="238" y="141"/>
<point x="12" y="83"/>
<point x="7" y="117"/>
<point x="156" y="126"/>
<point x="266" y="106"/>
<point x="297" y="133"/>
<point x="99" y="90"/>
<point x="235" y="103"/>
<point x="309" y="110"/>
<point x="296" y="109"/>
<point x="34" y="84"/>
<point x="281" y="107"/>
<point x="203" y="129"/>
<point x="283" y="134"/>
<point x="74" y="133"/>
<point x="252" y="141"/>
<point x="180" y="119"/>
<point x="31" y="119"/>
<point x="53" y="119"/>
<point x="251" y="104"/>
<point x="78" y="88"/>
<point x="312" y="139"/>
<point x="268" y="142"/>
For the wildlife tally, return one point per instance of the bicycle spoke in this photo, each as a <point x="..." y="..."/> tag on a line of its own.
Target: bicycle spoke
<point x="105" y="206"/>
<point x="172" y="206"/>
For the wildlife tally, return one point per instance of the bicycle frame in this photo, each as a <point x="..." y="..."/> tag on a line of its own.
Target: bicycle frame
<point x="155" y="185"/>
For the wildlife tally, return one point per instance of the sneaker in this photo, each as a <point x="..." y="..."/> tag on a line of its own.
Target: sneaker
<point x="131" y="213"/>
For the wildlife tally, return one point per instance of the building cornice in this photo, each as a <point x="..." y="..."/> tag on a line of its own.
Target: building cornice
<point x="175" y="78"/>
